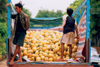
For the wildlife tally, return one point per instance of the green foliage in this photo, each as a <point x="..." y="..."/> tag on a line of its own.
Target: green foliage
<point x="2" y="48"/>
<point x="47" y="13"/>
<point x="75" y="4"/>
<point x="3" y="26"/>
<point x="27" y="12"/>
<point x="3" y="11"/>
<point x="3" y="32"/>
<point x="3" y="6"/>
<point x="3" y="37"/>
<point x="95" y="22"/>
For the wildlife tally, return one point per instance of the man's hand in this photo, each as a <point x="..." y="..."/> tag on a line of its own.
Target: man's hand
<point x="61" y="29"/>
<point x="78" y="38"/>
<point x="8" y="4"/>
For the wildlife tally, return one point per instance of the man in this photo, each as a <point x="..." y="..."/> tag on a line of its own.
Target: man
<point x="69" y="26"/>
<point x="20" y="26"/>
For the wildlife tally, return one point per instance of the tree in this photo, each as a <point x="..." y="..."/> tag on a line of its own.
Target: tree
<point x="75" y="4"/>
<point x="3" y="32"/>
<point x="3" y="11"/>
<point x="47" y="13"/>
<point x="95" y="23"/>
<point x="27" y="12"/>
<point x="3" y="20"/>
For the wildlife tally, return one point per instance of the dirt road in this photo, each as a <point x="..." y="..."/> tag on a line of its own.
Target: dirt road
<point x="3" y="63"/>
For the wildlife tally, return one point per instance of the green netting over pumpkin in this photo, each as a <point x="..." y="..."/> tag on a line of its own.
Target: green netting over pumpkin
<point x="45" y="22"/>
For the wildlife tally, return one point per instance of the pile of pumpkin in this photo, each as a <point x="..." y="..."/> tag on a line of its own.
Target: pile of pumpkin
<point x="45" y="45"/>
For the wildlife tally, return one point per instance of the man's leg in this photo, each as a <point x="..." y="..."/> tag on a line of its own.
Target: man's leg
<point x="20" y="41"/>
<point x="70" y="50"/>
<point x="62" y="52"/>
<point x="16" y="52"/>
<point x="20" y="58"/>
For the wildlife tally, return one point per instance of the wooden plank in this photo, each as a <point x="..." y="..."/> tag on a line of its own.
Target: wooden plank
<point x="84" y="50"/>
<point x="49" y="65"/>
<point x="9" y="50"/>
<point x="87" y="51"/>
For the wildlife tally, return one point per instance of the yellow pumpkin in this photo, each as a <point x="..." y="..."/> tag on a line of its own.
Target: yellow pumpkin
<point x="27" y="46"/>
<point x="29" y="55"/>
<point x="50" y="59"/>
<point x="30" y="51"/>
<point x="22" y="53"/>
<point x="75" y="47"/>
<point x="46" y="58"/>
<point x="33" y="55"/>
<point x="38" y="59"/>
<point x="65" y="53"/>
<point x="54" y="58"/>
<point x="50" y="55"/>
<point x="73" y="55"/>
<point x="42" y="57"/>
<point x="75" y="41"/>
<point x="34" y="49"/>
<point x="32" y="58"/>
<point x="37" y="52"/>
<point x="45" y="54"/>
<point x="73" y="50"/>
<point x="25" y="52"/>
<point x="55" y="50"/>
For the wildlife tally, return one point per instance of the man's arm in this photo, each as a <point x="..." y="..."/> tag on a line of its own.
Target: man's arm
<point x="64" y="22"/>
<point x="76" y="31"/>
<point x="13" y="16"/>
<point x="27" y="20"/>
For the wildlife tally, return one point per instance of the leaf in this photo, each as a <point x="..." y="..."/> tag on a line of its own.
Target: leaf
<point x="94" y="31"/>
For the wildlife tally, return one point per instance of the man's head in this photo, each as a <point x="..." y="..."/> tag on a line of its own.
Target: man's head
<point x="19" y="7"/>
<point x="69" y="11"/>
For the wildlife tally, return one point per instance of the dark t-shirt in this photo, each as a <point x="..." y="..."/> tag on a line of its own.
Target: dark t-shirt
<point x="19" y="27"/>
<point x="70" y="25"/>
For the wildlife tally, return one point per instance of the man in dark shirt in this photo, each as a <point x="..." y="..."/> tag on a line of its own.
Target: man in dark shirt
<point x="19" y="31"/>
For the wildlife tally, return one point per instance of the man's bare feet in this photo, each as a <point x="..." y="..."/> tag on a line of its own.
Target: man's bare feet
<point x="18" y="61"/>
<point x="11" y="63"/>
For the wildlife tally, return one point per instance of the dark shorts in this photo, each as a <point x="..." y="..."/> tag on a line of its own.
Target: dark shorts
<point x="19" y="38"/>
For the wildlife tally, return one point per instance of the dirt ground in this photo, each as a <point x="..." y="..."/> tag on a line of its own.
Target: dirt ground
<point x="3" y="63"/>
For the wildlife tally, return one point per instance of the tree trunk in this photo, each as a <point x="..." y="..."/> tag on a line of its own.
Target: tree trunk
<point x="98" y="40"/>
<point x="95" y="41"/>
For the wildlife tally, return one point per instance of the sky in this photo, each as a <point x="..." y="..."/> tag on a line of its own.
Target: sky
<point x="35" y="5"/>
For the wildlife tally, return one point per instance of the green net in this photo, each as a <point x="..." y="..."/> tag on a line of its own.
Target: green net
<point x="45" y="22"/>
